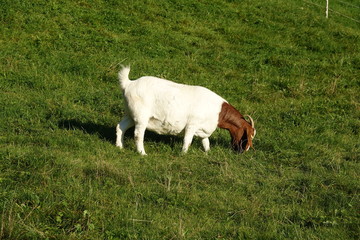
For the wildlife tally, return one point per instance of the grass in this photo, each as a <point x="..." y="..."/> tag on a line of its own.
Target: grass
<point x="294" y="71"/>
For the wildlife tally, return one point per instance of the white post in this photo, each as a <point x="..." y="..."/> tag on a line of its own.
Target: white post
<point x="327" y="8"/>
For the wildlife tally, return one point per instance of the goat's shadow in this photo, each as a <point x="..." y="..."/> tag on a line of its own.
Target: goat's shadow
<point x="102" y="131"/>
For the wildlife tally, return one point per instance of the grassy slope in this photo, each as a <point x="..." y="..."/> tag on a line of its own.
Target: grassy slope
<point x="294" y="71"/>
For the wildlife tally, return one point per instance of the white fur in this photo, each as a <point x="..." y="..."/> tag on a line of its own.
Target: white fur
<point x="166" y="107"/>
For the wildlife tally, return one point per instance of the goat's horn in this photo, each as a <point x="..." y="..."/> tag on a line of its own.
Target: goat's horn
<point x="251" y="121"/>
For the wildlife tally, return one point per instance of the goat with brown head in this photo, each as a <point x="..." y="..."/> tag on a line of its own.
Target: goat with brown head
<point x="242" y="131"/>
<point x="166" y="107"/>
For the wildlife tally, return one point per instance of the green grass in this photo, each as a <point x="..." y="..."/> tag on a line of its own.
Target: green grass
<point x="294" y="71"/>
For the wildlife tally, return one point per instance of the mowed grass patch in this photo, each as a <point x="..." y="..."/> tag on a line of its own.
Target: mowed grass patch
<point x="294" y="71"/>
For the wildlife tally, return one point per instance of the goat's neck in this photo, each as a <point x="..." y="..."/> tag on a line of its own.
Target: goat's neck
<point x="230" y="118"/>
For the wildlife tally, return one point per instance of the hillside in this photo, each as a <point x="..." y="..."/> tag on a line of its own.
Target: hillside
<point x="294" y="71"/>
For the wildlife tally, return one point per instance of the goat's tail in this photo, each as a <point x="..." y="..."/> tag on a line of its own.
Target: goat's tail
<point x="124" y="77"/>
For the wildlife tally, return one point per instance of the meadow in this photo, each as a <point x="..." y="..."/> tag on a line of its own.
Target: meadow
<point x="294" y="71"/>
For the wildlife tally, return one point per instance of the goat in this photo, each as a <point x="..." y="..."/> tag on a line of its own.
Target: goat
<point x="166" y="107"/>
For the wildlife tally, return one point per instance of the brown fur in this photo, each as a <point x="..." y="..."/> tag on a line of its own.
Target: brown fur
<point x="240" y="129"/>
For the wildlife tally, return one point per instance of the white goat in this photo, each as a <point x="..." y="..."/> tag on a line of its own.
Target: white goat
<point x="166" y="107"/>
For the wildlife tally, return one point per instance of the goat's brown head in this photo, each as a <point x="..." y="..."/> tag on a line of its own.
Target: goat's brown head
<point x="242" y="139"/>
<point x="242" y="131"/>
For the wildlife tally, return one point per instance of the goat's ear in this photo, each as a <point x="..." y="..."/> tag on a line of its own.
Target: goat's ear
<point x="236" y="137"/>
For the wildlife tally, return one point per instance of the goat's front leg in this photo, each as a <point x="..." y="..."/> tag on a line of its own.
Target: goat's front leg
<point x="121" y="128"/>
<point x="189" y="134"/>
<point x="139" y="137"/>
<point x="206" y="144"/>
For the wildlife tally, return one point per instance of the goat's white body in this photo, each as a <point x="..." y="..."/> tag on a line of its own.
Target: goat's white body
<point x="166" y="107"/>
<point x="171" y="107"/>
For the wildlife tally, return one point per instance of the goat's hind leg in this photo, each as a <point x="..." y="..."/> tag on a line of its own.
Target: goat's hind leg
<point x="121" y="128"/>
<point x="139" y="137"/>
